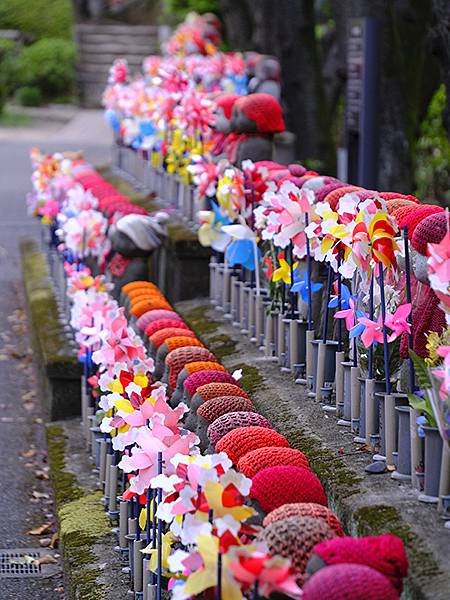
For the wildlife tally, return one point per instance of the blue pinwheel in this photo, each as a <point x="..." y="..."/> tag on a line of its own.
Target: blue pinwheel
<point x="345" y="298"/>
<point x="301" y="285"/>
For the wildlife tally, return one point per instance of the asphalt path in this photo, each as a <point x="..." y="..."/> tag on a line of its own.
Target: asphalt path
<point x="25" y="496"/>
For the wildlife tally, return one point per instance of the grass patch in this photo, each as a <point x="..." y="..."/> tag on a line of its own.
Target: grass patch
<point x="8" y="119"/>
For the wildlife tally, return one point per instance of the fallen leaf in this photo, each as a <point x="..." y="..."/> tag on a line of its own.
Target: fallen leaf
<point x="40" y="530"/>
<point x="47" y="559"/>
<point x="41" y="475"/>
<point x="54" y="543"/>
<point x="29" y="453"/>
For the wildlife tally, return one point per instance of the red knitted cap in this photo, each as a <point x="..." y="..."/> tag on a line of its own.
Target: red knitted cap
<point x="295" y="538"/>
<point x="155" y="326"/>
<point x="176" y="359"/>
<point x="334" y="196"/>
<point x="194" y="381"/>
<point x="396" y="196"/>
<point x="232" y="420"/>
<point x="270" y="456"/>
<point x="431" y="230"/>
<point x="274" y="486"/>
<point x="162" y="335"/>
<point x="215" y="389"/>
<point x="348" y="582"/>
<point x="384" y="553"/>
<point x="154" y="315"/>
<point x="305" y="509"/>
<point x="179" y="341"/>
<point x="238" y="442"/>
<point x="400" y="214"/>
<point x="416" y="216"/>
<point x="226" y="103"/>
<point x="264" y="110"/>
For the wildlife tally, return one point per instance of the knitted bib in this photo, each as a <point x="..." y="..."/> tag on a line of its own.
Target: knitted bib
<point x="270" y="456"/>
<point x="232" y="420"/>
<point x="155" y="315"/>
<point x="294" y="538"/>
<point x="176" y="359"/>
<point x="212" y="390"/>
<point x="384" y="553"/>
<point x="274" y="486"/>
<point x="349" y="582"/>
<point x="305" y="509"/>
<point x="238" y="442"/>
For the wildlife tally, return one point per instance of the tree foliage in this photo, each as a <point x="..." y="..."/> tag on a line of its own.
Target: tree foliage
<point x="41" y="18"/>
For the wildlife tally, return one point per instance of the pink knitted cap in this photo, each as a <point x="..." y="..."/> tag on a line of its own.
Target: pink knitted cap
<point x="238" y="442"/>
<point x="349" y="582"/>
<point x="274" y="486"/>
<point x="232" y="420"/>
<point x="154" y="315"/>
<point x="194" y="381"/>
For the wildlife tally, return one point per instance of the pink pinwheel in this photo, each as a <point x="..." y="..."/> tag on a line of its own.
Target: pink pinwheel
<point x="117" y="344"/>
<point x="397" y="322"/>
<point x="348" y="314"/>
<point x="373" y="331"/>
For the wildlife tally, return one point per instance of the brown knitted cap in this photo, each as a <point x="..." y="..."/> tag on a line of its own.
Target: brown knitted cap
<point x="294" y="538"/>
<point x="270" y="456"/>
<point x="202" y="365"/>
<point x="216" y="408"/>
<point x="232" y="420"/>
<point x="305" y="509"/>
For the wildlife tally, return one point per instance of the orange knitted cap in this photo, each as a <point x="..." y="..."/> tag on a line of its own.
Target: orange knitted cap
<point x="162" y="335"/>
<point x="133" y="285"/>
<point x="155" y="326"/>
<point x="214" y="389"/>
<point x="238" y="442"/>
<point x="140" y="294"/>
<point x="295" y="538"/>
<point x="149" y="304"/>
<point x="274" y="486"/>
<point x="181" y="340"/>
<point x="202" y="365"/>
<point x="232" y="420"/>
<point x="270" y="456"/>
<point x="305" y="509"/>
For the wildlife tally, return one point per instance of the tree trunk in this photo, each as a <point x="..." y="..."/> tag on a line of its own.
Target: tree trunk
<point x="441" y="48"/>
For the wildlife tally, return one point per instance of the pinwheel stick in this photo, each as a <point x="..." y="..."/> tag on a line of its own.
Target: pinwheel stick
<point x="385" y="336"/>
<point x="412" y="375"/>
<point x="371" y="310"/>
<point x="149" y="523"/>
<point x="159" y="545"/>
<point x="339" y="304"/>
<point x="327" y="308"/>
<point x="292" y="295"/>
<point x="255" y="594"/>
<point x="219" y="577"/>
<point x="308" y="271"/>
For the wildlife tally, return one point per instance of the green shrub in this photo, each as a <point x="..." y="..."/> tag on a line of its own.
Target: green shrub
<point x="41" y="18"/>
<point x="8" y="55"/>
<point x="29" y="96"/>
<point x="432" y="167"/>
<point x="180" y="8"/>
<point x="48" y="64"/>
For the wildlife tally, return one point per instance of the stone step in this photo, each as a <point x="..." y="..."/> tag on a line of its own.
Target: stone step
<point x="100" y="38"/>
<point x="117" y="48"/>
<point x="96" y="67"/>
<point x="85" y="28"/>
<point x="107" y="59"/>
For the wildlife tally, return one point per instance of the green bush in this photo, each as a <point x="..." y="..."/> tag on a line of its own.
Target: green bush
<point x="41" y="18"/>
<point x="29" y="96"/>
<point x="48" y="64"/>
<point x="180" y="8"/>
<point x="433" y="154"/>
<point x="8" y="54"/>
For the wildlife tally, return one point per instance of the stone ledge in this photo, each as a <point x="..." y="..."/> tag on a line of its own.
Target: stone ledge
<point x="59" y="372"/>
<point x="366" y="504"/>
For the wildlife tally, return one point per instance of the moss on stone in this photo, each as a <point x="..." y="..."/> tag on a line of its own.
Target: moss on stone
<point x="251" y="379"/>
<point x="199" y="322"/>
<point x="379" y="519"/>
<point x="222" y="345"/>
<point x="64" y="483"/>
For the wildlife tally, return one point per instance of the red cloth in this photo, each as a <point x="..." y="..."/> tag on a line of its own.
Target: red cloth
<point x="264" y="110"/>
